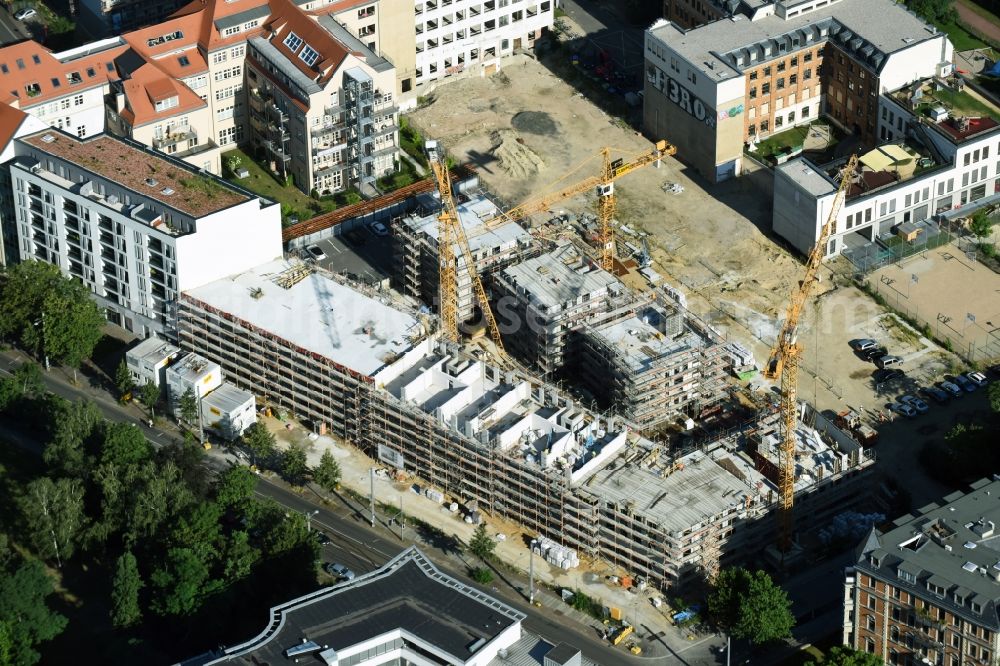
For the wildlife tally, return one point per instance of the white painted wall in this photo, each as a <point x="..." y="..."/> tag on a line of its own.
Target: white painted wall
<point x="916" y="62"/>
<point x="229" y="242"/>
<point x="77" y="111"/>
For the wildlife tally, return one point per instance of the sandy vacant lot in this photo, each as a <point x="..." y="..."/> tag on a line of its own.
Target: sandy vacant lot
<point x="529" y="133"/>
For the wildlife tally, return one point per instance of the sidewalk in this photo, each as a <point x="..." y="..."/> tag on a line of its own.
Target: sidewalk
<point x="655" y="633"/>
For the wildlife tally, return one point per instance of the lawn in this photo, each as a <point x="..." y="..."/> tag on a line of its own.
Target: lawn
<point x="960" y="38"/>
<point x="964" y="104"/>
<point x="293" y="202"/>
<point x="776" y="143"/>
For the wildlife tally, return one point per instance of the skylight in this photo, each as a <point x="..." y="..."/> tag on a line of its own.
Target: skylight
<point x="293" y="42"/>
<point x="308" y="55"/>
<point x="35" y="59"/>
<point x="183" y="60"/>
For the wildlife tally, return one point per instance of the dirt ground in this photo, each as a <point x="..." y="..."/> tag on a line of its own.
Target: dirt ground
<point x="949" y="287"/>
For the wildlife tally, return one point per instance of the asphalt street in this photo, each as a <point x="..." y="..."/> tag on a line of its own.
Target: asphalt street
<point x="11" y="30"/>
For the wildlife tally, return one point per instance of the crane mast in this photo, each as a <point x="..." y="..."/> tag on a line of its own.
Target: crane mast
<point x="603" y="184"/>
<point x="450" y="233"/>
<point x="784" y="360"/>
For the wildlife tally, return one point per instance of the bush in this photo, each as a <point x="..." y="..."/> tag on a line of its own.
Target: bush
<point x="481" y="575"/>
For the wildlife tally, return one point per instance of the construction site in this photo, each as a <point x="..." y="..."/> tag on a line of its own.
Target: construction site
<point x="537" y="373"/>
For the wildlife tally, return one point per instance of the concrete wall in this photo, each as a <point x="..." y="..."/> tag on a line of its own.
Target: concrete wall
<point x="228" y="242"/>
<point x="916" y="62"/>
<point x="795" y="211"/>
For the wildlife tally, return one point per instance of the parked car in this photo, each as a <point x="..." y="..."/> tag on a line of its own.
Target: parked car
<point x="25" y="14"/>
<point x="903" y="408"/>
<point x="935" y="394"/>
<point x="950" y="388"/>
<point x="339" y="571"/>
<point x="964" y="382"/>
<point x="977" y="378"/>
<point x="863" y="344"/>
<point x="874" y="353"/>
<point x="322" y="538"/>
<point x="379" y="229"/>
<point x="915" y="402"/>
<point x="889" y="375"/>
<point x="316" y="252"/>
<point x="888" y="361"/>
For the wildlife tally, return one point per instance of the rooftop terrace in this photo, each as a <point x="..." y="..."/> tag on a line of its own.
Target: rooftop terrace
<point x="141" y="170"/>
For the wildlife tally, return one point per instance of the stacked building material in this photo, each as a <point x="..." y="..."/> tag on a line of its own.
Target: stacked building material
<point x="556" y="555"/>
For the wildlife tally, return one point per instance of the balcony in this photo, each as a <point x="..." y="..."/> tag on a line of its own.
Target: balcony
<point x="107" y="239"/>
<point x="71" y="207"/>
<point x="176" y="136"/>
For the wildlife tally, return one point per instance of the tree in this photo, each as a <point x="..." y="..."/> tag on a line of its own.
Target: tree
<point x="75" y="440"/>
<point x="327" y="475"/>
<point x="199" y="530"/>
<point x="259" y="440"/>
<point x="481" y="545"/>
<point x="124" y="444"/>
<point x="481" y="575"/>
<point x="125" y="611"/>
<point x="188" y="405"/>
<point x="294" y="465"/>
<point x="53" y="515"/>
<point x="239" y="556"/>
<point x="840" y="655"/>
<point x="149" y="394"/>
<point x="71" y="323"/>
<point x="27" y="618"/>
<point x="234" y="487"/>
<point x="180" y="583"/>
<point x="123" y="380"/>
<point x="980" y="225"/>
<point x="993" y="392"/>
<point x="940" y="11"/>
<point x="750" y="606"/>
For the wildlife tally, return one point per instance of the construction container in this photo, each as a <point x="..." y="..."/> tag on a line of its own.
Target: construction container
<point x="228" y="411"/>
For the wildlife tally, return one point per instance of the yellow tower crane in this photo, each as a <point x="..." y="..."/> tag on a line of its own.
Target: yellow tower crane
<point x="603" y="184"/>
<point x="450" y="233"/>
<point x="784" y="360"/>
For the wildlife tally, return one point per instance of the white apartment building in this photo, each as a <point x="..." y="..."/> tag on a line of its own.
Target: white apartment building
<point x="137" y="227"/>
<point x="925" y="168"/>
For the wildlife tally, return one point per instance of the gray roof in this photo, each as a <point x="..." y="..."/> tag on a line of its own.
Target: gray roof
<point x="870" y="28"/>
<point x="240" y="18"/>
<point x="802" y="172"/>
<point x="951" y="547"/>
<point x="347" y="38"/>
<point x="278" y="59"/>
<point x="227" y="398"/>
<point x="408" y="593"/>
<point x="560" y="277"/>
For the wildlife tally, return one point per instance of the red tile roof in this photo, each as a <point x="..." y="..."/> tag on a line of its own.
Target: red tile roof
<point x="11" y="120"/>
<point x="287" y="18"/>
<point x="31" y="64"/>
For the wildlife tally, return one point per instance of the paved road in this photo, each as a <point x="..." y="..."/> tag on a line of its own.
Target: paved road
<point x="11" y="30"/>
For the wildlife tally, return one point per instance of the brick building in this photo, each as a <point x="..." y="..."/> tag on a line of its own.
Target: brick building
<point x="928" y="589"/>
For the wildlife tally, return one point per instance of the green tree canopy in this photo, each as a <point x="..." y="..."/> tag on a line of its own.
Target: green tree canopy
<point x="481" y="545"/>
<point x="327" y="474"/>
<point x="124" y="444"/>
<point x="125" y="610"/>
<point x="180" y="583"/>
<point x="234" y="487"/>
<point x="993" y="392"/>
<point x="841" y="655"/>
<point x="53" y="516"/>
<point x="27" y="618"/>
<point x="260" y="441"/>
<point x="149" y="394"/>
<point x="123" y="379"/>
<point x="980" y="225"/>
<point x="941" y="11"/>
<point x="76" y="438"/>
<point x="72" y="324"/>
<point x="750" y="606"/>
<point x="294" y="465"/>
<point x="188" y="406"/>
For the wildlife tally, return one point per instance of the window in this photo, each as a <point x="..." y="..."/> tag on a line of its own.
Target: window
<point x="781" y="66"/>
<point x="81" y="131"/>
<point x="763" y="126"/>
<point x="778" y="121"/>
<point x="767" y="71"/>
<point x="805" y="112"/>
<point x="753" y="76"/>
<point x="791" y="117"/>
<point x="229" y="32"/>
<point x="365" y="12"/>
<point x="183" y="61"/>
<point x="781" y="83"/>
<point x="795" y="61"/>
<point x="78" y="100"/>
<point x="753" y="93"/>
<point x="308" y="55"/>
<point x="293" y="42"/>
<point x="965" y="160"/>
<point x="765" y="89"/>
<point x="793" y="79"/>
<point x="239" y="51"/>
<point x="167" y="103"/>
<point x="807" y="57"/>
<point x="221" y="56"/>
<point x="752" y="129"/>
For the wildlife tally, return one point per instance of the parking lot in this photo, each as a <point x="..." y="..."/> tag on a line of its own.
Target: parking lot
<point x="360" y="254"/>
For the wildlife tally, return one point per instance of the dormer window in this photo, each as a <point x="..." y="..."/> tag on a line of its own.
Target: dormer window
<point x="308" y="55"/>
<point x="168" y="103"/>
<point x="33" y="89"/>
<point x="229" y="32"/>
<point x="74" y="78"/>
<point x="293" y="42"/>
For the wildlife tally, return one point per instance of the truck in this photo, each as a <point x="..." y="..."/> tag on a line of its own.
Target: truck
<point x="850" y="421"/>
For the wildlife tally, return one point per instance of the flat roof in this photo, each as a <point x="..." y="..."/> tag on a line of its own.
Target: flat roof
<point x="642" y="345"/>
<point x="471" y="213"/>
<point x="802" y="172"/>
<point x="686" y="497"/>
<point x="560" y="277"/>
<point x="315" y="313"/>
<point x="883" y="24"/>
<point x="153" y="350"/>
<point x="193" y="368"/>
<point x="409" y="593"/>
<point x="227" y="398"/>
<point x="134" y="167"/>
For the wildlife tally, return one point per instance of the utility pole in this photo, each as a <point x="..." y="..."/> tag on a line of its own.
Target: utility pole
<point x="371" y="481"/>
<point x="531" y="573"/>
<point x="309" y="516"/>
<point x="201" y="423"/>
<point x="400" y="517"/>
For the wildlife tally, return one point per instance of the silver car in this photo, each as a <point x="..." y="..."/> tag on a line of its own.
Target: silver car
<point x="340" y="572"/>
<point x="915" y="402"/>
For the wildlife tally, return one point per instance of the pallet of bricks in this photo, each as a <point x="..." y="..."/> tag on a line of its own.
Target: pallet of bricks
<point x="556" y="555"/>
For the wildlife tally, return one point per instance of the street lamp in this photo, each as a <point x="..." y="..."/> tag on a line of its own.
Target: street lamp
<point x="531" y="572"/>
<point x="309" y="515"/>
<point x="201" y="422"/>
<point x="41" y="322"/>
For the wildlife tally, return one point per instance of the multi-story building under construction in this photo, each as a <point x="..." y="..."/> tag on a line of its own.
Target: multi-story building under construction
<point x="504" y="442"/>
